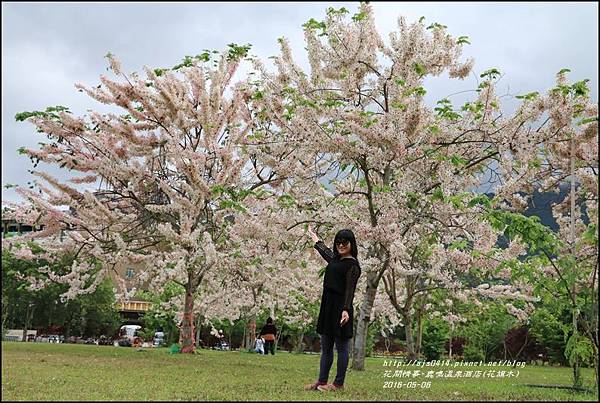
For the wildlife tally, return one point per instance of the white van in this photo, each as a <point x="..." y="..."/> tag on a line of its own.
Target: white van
<point x="127" y="335"/>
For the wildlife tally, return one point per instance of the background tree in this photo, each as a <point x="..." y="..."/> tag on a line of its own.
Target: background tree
<point x="162" y="314"/>
<point x="563" y="281"/>
<point x="484" y="331"/>
<point x="87" y="315"/>
<point x="171" y="168"/>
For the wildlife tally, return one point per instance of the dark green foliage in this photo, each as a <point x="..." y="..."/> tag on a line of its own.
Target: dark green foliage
<point x="419" y="69"/>
<point x="435" y="335"/>
<point x="314" y="24"/>
<point x="159" y="319"/>
<point x="528" y="96"/>
<point x="51" y="112"/>
<point x="359" y="16"/>
<point x="445" y="110"/>
<point x="436" y="25"/>
<point x="333" y="11"/>
<point x="485" y="332"/>
<point x="236" y="51"/>
<point x="373" y="331"/>
<point x="88" y="315"/>
<point x="491" y="74"/>
<point x="473" y="353"/>
<point x="92" y="315"/>
<point x="549" y="331"/>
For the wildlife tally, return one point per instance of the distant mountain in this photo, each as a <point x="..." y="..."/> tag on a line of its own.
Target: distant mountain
<point x="540" y="205"/>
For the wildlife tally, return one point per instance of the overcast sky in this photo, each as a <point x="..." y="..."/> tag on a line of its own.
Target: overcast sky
<point x="48" y="47"/>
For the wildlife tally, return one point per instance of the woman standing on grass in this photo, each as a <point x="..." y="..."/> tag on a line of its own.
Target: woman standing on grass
<point x="336" y="313"/>
<point x="269" y="334"/>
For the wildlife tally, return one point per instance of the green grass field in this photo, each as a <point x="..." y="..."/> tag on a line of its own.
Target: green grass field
<point x="41" y="371"/>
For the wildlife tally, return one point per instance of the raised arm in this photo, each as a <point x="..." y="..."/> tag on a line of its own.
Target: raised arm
<point x="324" y="251"/>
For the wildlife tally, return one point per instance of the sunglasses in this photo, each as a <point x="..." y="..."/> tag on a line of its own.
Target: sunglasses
<point x="342" y="242"/>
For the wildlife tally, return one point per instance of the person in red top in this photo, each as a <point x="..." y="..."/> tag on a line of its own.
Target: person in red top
<point x="335" y="322"/>
<point x="269" y="334"/>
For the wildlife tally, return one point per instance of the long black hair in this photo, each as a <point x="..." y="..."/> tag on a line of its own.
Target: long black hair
<point x="347" y="235"/>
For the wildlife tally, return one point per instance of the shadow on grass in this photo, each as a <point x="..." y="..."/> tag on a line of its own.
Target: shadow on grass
<point x="573" y="388"/>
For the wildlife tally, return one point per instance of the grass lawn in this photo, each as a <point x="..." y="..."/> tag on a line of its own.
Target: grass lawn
<point x="41" y="371"/>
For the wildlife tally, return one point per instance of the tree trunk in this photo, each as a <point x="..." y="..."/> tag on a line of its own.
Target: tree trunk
<point x="28" y="317"/>
<point x="419" y="332"/>
<point x="250" y="332"/>
<point x="300" y="343"/>
<point x="187" y="324"/>
<point x="362" y="326"/>
<point x="198" y="329"/>
<point x="596" y="370"/>
<point x="576" y="369"/>
<point x="410" y="342"/>
<point x="420" y="304"/>
<point x="4" y="318"/>
<point x="516" y="357"/>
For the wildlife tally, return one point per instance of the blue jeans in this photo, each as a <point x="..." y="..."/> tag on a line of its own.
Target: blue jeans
<point x="341" y="345"/>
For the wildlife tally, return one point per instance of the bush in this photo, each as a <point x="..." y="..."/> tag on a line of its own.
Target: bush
<point x="371" y="333"/>
<point x="146" y="334"/>
<point x="547" y="328"/>
<point x="435" y="335"/>
<point x="472" y="353"/>
<point x="485" y="331"/>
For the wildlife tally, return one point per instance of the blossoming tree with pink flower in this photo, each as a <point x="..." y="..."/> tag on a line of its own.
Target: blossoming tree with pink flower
<point x="169" y="173"/>
<point x="403" y="173"/>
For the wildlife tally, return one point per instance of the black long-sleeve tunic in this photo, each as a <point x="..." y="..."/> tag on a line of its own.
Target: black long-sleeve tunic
<point x="339" y="284"/>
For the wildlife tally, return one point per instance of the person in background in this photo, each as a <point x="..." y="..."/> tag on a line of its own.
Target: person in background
<point x="220" y="339"/>
<point x="259" y="348"/>
<point x="269" y="334"/>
